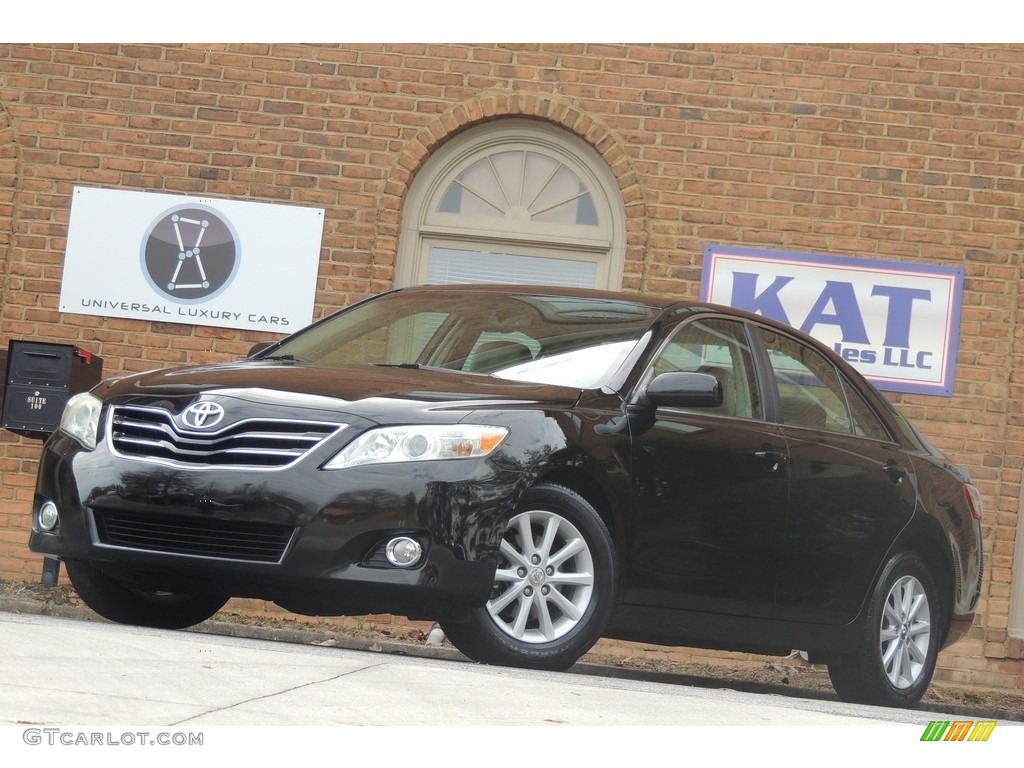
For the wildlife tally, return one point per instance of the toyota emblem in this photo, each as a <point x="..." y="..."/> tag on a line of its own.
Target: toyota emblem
<point x="202" y="415"/>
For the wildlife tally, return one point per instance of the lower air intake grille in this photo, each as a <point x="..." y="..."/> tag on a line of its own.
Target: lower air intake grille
<point x="195" y="536"/>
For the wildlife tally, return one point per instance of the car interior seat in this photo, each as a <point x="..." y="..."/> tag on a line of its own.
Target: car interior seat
<point x="495" y="355"/>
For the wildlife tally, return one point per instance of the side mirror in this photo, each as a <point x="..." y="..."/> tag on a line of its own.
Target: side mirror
<point x="685" y="390"/>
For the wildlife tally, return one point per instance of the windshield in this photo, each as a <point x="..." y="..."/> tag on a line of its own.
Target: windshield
<point x="566" y="340"/>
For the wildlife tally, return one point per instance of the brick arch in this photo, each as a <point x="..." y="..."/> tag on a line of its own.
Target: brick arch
<point x="495" y="107"/>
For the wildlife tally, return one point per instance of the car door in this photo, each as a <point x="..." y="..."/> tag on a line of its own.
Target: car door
<point x="851" y="488"/>
<point x="709" y="485"/>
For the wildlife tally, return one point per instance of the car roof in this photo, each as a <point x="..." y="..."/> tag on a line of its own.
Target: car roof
<point x="651" y="300"/>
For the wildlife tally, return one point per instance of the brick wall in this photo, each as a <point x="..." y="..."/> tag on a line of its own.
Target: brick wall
<point x="904" y="152"/>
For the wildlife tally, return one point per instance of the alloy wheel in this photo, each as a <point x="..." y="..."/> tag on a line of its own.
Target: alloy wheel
<point x="905" y="632"/>
<point x="545" y="579"/>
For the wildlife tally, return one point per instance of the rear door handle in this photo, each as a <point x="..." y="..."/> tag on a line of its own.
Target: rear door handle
<point x="771" y="459"/>
<point x="895" y="472"/>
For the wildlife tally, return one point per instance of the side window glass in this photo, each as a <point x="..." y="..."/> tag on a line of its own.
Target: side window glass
<point x="812" y="393"/>
<point x="865" y="422"/>
<point x="809" y="387"/>
<point x="718" y="347"/>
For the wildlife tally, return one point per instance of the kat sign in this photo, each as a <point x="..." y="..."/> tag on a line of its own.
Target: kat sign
<point x="896" y="323"/>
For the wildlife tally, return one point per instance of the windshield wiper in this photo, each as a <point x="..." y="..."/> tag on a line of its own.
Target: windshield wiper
<point x="416" y="367"/>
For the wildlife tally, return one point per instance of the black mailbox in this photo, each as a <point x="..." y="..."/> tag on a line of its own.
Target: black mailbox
<point x="40" y="378"/>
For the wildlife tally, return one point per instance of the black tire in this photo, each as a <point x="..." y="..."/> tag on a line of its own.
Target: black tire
<point x="537" y="577"/>
<point x="125" y="604"/>
<point x="896" y="660"/>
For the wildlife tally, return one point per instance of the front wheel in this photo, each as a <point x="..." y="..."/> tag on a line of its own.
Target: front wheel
<point x="552" y="592"/>
<point x="128" y="604"/>
<point x="896" y="660"/>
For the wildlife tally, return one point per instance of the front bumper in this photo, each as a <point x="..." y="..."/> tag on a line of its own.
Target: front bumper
<point x="310" y="540"/>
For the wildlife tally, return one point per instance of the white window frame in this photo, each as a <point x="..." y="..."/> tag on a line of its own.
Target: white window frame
<point x="423" y="227"/>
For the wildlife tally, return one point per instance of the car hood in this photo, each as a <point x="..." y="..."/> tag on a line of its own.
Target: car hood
<point x="368" y="390"/>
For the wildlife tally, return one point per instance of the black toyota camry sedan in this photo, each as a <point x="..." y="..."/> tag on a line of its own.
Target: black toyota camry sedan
<point x="535" y="468"/>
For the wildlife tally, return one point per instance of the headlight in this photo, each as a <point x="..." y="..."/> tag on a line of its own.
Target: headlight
<point x="81" y="419"/>
<point x="388" y="445"/>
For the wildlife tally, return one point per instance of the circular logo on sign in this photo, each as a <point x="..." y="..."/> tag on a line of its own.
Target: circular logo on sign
<point x="190" y="253"/>
<point x="202" y="415"/>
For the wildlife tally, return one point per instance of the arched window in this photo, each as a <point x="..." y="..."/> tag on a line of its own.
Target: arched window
<point x="513" y="201"/>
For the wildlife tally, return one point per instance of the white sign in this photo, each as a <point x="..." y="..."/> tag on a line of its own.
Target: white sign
<point x="193" y="260"/>
<point x="896" y="323"/>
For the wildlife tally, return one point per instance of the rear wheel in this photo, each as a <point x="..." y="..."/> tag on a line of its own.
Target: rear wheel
<point x="127" y="604"/>
<point x="552" y="592"/>
<point x="896" y="660"/>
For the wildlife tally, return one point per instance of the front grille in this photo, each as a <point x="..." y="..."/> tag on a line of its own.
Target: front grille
<point x="195" y="536"/>
<point x="150" y="433"/>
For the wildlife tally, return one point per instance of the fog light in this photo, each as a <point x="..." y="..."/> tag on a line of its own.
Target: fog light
<point x="403" y="552"/>
<point x="48" y="517"/>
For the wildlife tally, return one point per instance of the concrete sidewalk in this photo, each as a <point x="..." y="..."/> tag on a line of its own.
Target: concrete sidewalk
<point x="65" y="672"/>
<point x="716" y="678"/>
